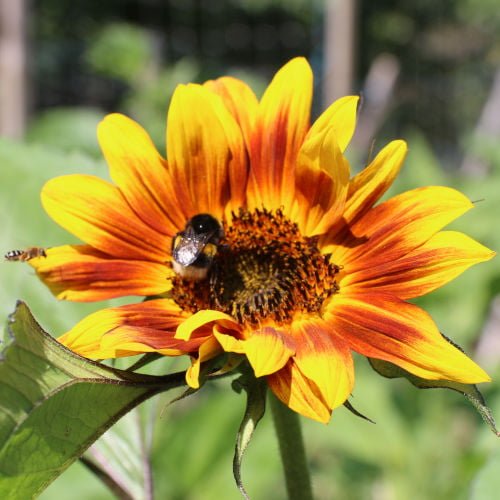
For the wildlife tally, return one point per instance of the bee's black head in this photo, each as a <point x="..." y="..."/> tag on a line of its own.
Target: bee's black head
<point x="204" y="224"/>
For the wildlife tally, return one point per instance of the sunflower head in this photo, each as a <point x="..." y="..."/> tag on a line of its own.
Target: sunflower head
<point x="251" y="237"/>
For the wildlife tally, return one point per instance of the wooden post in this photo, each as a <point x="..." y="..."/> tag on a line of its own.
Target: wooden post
<point x="339" y="49"/>
<point x="378" y="91"/>
<point x="12" y="68"/>
<point x="488" y="127"/>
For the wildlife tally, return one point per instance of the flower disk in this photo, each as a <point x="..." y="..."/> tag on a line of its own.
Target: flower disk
<point x="265" y="270"/>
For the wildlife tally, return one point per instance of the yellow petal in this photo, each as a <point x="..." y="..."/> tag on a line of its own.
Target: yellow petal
<point x="367" y="187"/>
<point x="96" y="212"/>
<point x="322" y="182"/>
<point x="239" y="100"/>
<point x="229" y="343"/>
<point x="140" y="172"/>
<point x="396" y="227"/>
<point x="205" y="318"/>
<point x="125" y="340"/>
<point x="206" y="152"/>
<point x="268" y="350"/>
<point x="149" y="326"/>
<point x="339" y="116"/>
<point x="325" y="359"/>
<point x="440" y="260"/>
<point x="379" y="325"/>
<point x="299" y="393"/>
<point x="208" y="350"/>
<point x="81" y="273"/>
<point x="280" y="128"/>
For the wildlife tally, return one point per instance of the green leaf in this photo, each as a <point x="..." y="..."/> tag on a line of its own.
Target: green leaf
<point x="255" y="409"/>
<point x="470" y="391"/>
<point x="55" y="404"/>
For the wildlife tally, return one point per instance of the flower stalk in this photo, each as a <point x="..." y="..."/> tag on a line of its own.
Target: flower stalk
<point x="292" y="450"/>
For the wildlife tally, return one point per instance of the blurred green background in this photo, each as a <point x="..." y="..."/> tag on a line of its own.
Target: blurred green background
<point x="428" y="71"/>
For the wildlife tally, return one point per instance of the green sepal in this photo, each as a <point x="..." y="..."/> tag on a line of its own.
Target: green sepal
<point x="353" y="410"/>
<point x="470" y="391"/>
<point x="54" y="404"/>
<point x="255" y="389"/>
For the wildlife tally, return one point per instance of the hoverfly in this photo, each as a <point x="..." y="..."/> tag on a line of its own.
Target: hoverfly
<point x="25" y="255"/>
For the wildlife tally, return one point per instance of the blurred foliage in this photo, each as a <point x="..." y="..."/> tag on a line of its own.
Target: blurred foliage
<point x="448" y="51"/>
<point x="67" y="129"/>
<point x="119" y="50"/>
<point x="149" y="97"/>
<point x="124" y="52"/>
<point x="74" y="41"/>
<point x="117" y="55"/>
<point x="296" y="6"/>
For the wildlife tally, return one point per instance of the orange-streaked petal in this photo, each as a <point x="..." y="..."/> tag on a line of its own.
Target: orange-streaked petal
<point x="140" y="172"/>
<point x="379" y="325"/>
<point x="205" y="319"/>
<point x="396" y="227"/>
<point x="229" y="343"/>
<point x="280" y="128"/>
<point x="208" y="350"/>
<point x="81" y="273"/>
<point x="445" y="256"/>
<point x="132" y="340"/>
<point x="162" y="315"/>
<point x="96" y="212"/>
<point x="206" y="152"/>
<point x="299" y="393"/>
<point x="325" y="359"/>
<point x="367" y="187"/>
<point x="239" y="99"/>
<point x="268" y="350"/>
<point x="322" y="179"/>
<point x="341" y="116"/>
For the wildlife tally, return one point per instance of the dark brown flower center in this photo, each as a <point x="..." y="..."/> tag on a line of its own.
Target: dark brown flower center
<point x="264" y="269"/>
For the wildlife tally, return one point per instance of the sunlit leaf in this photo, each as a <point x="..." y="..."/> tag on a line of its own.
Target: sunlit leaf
<point x="55" y="404"/>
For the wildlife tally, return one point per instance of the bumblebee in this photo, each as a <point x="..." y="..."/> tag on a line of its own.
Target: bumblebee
<point x="194" y="249"/>
<point x="25" y="255"/>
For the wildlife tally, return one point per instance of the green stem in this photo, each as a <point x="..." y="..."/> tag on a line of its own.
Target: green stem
<point x="292" y="451"/>
<point x="107" y="478"/>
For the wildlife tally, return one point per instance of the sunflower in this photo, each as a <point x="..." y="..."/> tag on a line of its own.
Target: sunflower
<point x="306" y="267"/>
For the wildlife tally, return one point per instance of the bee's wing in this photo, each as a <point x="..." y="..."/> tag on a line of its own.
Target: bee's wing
<point x="186" y="249"/>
